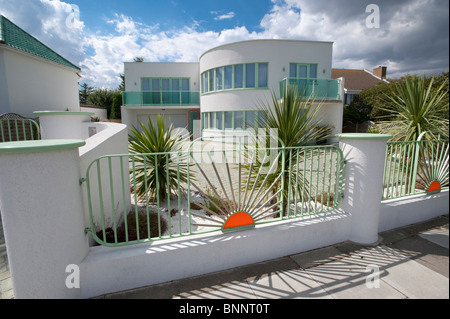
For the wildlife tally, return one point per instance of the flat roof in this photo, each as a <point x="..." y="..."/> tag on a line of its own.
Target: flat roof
<point x="264" y="40"/>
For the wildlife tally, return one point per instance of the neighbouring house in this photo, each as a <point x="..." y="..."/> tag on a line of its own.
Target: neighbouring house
<point x="224" y="88"/>
<point x="33" y="77"/>
<point x="359" y="80"/>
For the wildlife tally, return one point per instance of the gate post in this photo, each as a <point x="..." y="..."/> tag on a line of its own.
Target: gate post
<point x="363" y="177"/>
<point x="43" y="218"/>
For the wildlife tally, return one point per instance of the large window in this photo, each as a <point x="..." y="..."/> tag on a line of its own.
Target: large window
<point x="165" y="90"/>
<point x="231" y="120"/>
<point x="237" y="76"/>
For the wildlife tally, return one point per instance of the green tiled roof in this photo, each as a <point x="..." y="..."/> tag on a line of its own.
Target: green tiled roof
<point x="13" y="36"/>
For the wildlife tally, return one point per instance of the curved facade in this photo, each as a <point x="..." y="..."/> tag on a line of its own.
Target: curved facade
<point x="236" y="77"/>
<point x="224" y="88"/>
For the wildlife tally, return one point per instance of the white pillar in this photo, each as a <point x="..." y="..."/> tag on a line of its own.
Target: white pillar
<point x="43" y="219"/>
<point x="63" y="124"/>
<point x="363" y="177"/>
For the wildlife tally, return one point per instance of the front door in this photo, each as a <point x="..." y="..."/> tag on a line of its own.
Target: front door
<point x="194" y="123"/>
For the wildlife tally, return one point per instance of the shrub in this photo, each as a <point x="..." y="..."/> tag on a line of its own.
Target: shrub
<point x="155" y="174"/>
<point x="133" y="231"/>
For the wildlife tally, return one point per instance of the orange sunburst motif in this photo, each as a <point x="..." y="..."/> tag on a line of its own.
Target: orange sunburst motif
<point x="434" y="187"/>
<point x="239" y="219"/>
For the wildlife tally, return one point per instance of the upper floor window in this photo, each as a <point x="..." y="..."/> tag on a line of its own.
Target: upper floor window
<point x="165" y="90"/>
<point x="237" y="76"/>
<point x="303" y="70"/>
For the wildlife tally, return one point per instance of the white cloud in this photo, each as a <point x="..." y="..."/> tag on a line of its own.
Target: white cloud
<point x="229" y="15"/>
<point x="413" y="36"/>
<point x="51" y="22"/>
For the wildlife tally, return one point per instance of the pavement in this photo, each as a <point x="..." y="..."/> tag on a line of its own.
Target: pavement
<point x="410" y="262"/>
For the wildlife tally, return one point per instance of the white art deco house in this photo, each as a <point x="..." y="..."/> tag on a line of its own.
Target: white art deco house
<point x="224" y="89"/>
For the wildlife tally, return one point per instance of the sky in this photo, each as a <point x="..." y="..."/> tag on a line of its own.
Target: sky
<point x="406" y="36"/>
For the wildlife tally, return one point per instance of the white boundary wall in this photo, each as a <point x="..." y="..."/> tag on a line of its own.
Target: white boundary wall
<point x="108" y="269"/>
<point x="57" y="239"/>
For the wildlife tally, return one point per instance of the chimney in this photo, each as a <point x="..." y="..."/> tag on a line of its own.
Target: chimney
<point x="380" y="72"/>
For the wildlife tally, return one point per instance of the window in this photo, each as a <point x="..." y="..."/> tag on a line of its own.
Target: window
<point x="228" y="77"/>
<point x="238" y="76"/>
<point x="205" y="82"/>
<point x="250" y="119"/>
<point x="250" y="75"/>
<point x="165" y="90"/>
<point x="219" y="79"/>
<point x="238" y="120"/>
<point x="219" y="120"/>
<point x="211" y="80"/>
<point x="228" y="120"/>
<point x="303" y="70"/>
<point x="313" y="71"/>
<point x="262" y="75"/>
<point x="211" y="120"/>
<point x="231" y="120"/>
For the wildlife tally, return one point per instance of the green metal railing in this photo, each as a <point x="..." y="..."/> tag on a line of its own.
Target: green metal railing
<point x="327" y="89"/>
<point x="19" y="130"/>
<point x="161" y="98"/>
<point x="415" y="167"/>
<point x="262" y="184"/>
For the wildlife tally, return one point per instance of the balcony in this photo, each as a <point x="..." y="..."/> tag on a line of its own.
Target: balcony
<point x="161" y="98"/>
<point x="322" y="89"/>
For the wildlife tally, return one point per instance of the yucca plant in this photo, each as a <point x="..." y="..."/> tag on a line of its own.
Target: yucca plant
<point x="415" y="107"/>
<point x="160" y="167"/>
<point x="294" y="117"/>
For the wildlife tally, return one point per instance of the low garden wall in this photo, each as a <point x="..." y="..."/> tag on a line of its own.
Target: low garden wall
<point x="43" y="205"/>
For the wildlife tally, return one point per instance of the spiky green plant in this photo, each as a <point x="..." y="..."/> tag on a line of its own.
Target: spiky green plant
<point x="158" y="171"/>
<point x="294" y="117"/>
<point x="415" y="108"/>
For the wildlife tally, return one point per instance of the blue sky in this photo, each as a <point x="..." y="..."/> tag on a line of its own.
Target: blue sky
<point x="412" y="36"/>
<point x="174" y="14"/>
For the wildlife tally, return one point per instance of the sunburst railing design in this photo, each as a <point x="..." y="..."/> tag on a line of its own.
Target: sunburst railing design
<point x="433" y="169"/>
<point x="232" y="201"/>
<point x="228" y="189"/>
<point x="414" y="167"/>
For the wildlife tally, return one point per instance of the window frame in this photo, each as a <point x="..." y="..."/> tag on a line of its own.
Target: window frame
<point x="220" y="87"/>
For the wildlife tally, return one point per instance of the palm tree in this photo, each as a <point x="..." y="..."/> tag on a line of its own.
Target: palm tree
<point x="159" y="166"/>
<point x="417" y="110"/>
<point x="294" y="117"/>
<point x="416" y="107"/>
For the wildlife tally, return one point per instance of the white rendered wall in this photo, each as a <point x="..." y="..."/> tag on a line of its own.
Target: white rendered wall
<point x="63" y="125"/>
<point x="34" y="84"/>
<point x="158" y="262"/>
<point x="99" y="112"/>
<point x="42" y="213"/>
<point x="412" y="209"/>
<point x="134" y="71"/>
<point x="111" y="138"/>
<point x="4" y="94"/>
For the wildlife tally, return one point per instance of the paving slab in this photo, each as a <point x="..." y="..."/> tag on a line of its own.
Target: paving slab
<point x="439" y="236"/>
<point x="290" y="284"/>
<point x="358" y="276"/>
